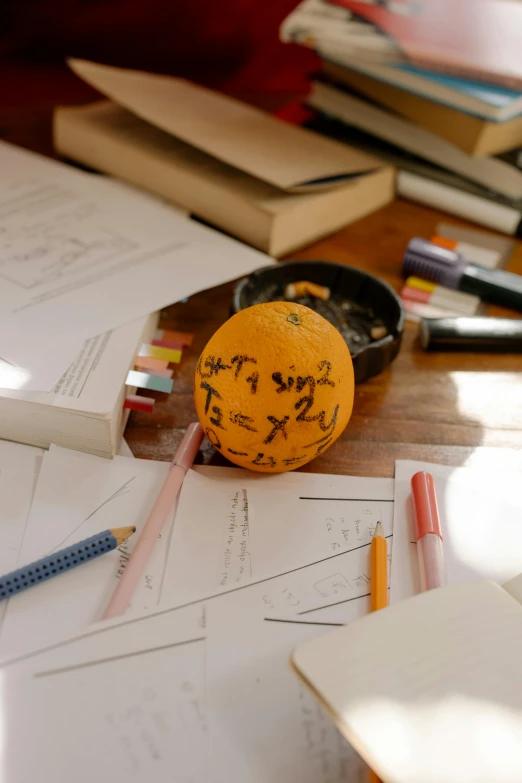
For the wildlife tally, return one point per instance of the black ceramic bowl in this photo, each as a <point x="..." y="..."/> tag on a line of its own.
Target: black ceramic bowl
<point x="356" y="297"/>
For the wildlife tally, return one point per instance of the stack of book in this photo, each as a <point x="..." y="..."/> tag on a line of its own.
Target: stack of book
<point x="268" y="183"/>
<point x="454" y="140"/>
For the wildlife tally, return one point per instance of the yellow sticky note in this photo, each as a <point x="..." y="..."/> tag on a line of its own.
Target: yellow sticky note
<point x="421" y="285"/>
<point x="168" y="354"/>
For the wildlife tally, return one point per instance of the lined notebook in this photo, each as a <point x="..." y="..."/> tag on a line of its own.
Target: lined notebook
<point x="428" y="689"/>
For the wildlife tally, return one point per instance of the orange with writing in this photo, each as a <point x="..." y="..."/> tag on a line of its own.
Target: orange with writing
<point x="274" y="387"/>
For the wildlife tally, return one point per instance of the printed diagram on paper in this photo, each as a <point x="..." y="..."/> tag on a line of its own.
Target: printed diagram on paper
<point x="36" y="246"/>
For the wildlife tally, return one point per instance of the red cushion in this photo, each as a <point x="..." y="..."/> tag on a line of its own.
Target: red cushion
<point x="233" y="46"/>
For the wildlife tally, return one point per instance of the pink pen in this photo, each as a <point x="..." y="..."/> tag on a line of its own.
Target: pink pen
<point x="427" y="532"/>
<point x="183" y="459"/>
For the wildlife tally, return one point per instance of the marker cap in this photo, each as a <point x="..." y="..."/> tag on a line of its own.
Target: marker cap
<point x="425" y="508"/>
<point x="432" y="262"/>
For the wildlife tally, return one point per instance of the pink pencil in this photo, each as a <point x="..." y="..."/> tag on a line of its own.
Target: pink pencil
<point x="183" y="459"/>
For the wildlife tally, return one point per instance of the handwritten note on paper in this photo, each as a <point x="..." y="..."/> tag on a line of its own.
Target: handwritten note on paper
<point x="263" y="724"/>
<point x="143" y="713"/>
<point x="234" y="527"/>
<point x="78" y="495"/>
<point x="236" y="565"/>
<point x="489" y="502"/>
<point x="328" y="583"/>
<point x="79" y="257"/>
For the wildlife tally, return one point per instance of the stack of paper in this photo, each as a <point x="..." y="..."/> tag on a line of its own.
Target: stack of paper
<point x="82" y="255"/>
<point x="194" y="681"/>
<point x="278" y="560"/>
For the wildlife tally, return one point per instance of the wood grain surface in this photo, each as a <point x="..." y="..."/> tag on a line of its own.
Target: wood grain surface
<point x="453" y="408"/>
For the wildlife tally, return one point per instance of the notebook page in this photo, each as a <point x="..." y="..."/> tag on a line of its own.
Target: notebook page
<point x="480" y="516"/>
<point x="440" y="704"/>
<point x="234" y="527"/>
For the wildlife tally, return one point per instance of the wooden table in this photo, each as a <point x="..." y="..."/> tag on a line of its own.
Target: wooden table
<point x="440" y="407"/>
<point x="457" y="409"/>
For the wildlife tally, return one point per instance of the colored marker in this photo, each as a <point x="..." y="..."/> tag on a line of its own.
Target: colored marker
<point x="451" y="269"/>
<point x="427" y="531"/>
<point x="472" y="334"/>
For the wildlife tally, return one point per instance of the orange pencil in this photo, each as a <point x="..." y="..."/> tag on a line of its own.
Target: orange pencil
<point x="379" y="584"/>
<point x="379" y="570"/>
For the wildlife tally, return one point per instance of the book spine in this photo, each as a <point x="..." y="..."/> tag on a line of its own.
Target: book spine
<point x="489" y="77"/>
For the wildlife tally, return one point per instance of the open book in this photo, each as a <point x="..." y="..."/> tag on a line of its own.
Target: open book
<point x="428" y="689"/>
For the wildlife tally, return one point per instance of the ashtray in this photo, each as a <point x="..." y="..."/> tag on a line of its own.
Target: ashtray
<point x="367" y="311"/>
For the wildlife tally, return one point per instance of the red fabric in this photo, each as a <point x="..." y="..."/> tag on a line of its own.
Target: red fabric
<point x="295" y="112"/>
<point x="233" y="46"/>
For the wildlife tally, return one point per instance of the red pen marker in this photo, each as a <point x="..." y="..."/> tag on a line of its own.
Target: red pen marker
<point x="427" y="532"/>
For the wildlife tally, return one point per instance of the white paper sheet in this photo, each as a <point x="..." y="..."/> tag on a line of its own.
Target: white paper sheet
<point x="79" y="259"/>
<point x="19" y="469"/>
<point x="234" y="527"/>
<point x="116" y="669"/>
<point x="133" y="716"/>
<point x="94" y="381"/>
<point x="77" y="496"/>
<point x="264" y="725"/>
<point x="480" y="516"/>
<point x="310" y="593"/>
<point x="125" y="450"/>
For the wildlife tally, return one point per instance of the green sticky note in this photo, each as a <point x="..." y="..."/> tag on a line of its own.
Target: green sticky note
<point x="144" y="380"/>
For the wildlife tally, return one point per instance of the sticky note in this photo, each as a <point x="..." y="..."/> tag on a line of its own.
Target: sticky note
<point x="144" y="380"/>
<point x="185" y="338"/>
<point x="451" y="244"/>
<point x="149" y="363"/>
<point x="168" y="344"/>
<point x="169" y="354"/>
<point x="420" y="285"/>
<point x="137" y="403"/>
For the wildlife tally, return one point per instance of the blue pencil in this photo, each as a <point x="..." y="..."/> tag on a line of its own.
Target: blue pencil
<point x="58" y="562"/>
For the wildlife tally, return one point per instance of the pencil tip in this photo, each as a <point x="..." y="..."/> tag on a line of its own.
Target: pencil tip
<point x="121" y="534"/>
<point x="378" y="530"/>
